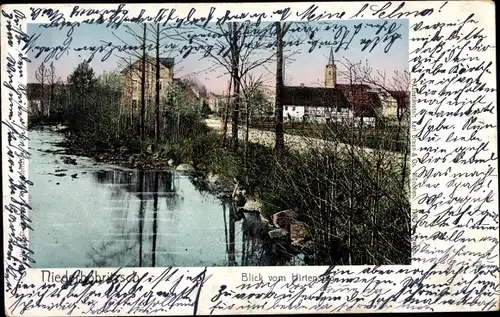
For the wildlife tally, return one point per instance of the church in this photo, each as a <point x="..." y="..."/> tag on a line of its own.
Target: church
<point x="334" y="102"/>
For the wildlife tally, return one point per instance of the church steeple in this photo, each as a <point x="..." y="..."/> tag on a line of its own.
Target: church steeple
<point x="331" y="61"/>
<point x="330" y="72"/>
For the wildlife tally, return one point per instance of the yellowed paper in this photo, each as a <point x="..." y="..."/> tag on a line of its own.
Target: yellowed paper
<point x="166" y="225"/>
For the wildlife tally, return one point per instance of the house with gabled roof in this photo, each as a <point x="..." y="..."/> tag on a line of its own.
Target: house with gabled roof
<point x="355" y="103"/>
<point x="315" y="104"/>
<point x="132" y="79"/>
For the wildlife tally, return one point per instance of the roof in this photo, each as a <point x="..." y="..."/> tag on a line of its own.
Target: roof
<point x="365" y="103"/>
<point x="187" y="87"/>
<point x="352" y="87"/>
<point x="402" y="98"/>
<point x="314" y="96"/>
<point x="363" y="100"/>
<point x="34" y="91"/>
<point x="165" y="61"/>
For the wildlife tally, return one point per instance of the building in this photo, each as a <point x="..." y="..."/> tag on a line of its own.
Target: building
<point x="317" y="104"/>
<point x="40" y="100"/>
<point x="359" y="104"/>
<point x="132" y="80"/>
<point x="402" y="100"/>
<point x="191" y="93"/>
<point x="330" y="72"/>
<point x="34" y="95"/>
<point x="215" y="102"/>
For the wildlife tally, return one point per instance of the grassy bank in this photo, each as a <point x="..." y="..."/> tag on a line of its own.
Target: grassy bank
<point x="356" y="205"/>
<point x="389" y="138"/>
<point x="357" y="210"/>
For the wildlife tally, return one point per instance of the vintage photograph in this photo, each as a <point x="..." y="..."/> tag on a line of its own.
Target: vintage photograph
<point x="219" y="144"/>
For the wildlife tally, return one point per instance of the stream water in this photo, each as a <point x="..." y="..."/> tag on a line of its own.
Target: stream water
<point x="90" y="214"/>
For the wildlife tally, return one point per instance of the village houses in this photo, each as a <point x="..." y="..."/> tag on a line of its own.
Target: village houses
<point x="132" y="84"/>
<point x="341" y="103"/>
<point x="132" y="80"/>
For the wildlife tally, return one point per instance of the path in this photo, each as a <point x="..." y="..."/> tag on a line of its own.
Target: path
<point x="297" y="142"/>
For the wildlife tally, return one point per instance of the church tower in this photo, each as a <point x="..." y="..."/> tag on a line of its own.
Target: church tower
<point x="330" y="72"/>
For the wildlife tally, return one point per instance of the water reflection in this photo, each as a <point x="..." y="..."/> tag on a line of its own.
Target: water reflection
<point x="147" y="186"/>
<point x="152" y="241"/>
<point x="114" y="217"/>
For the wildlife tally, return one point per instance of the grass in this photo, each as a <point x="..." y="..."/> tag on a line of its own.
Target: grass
<point x="383" y="138"/>
<point x="357" y="209"/>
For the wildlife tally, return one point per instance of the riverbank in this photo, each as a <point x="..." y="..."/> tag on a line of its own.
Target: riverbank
<point x="111" y="215"/>
<point x="133" y="157"/>
<point x="331" y="205"/>
<point x="284" y="241"/>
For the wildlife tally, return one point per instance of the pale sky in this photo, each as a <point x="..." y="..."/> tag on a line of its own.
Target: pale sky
<point x="303" y="67"/>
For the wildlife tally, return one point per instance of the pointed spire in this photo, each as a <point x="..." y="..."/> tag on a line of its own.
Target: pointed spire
<point x="331" y="60"/>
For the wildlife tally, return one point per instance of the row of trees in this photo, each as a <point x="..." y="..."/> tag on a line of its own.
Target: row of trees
<point x="46" y="77"/>
<point x="354" y="199"/>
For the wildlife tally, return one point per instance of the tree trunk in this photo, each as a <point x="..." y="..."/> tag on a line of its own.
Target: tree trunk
<point x="236" y="82"/>
<point x="226" y="112"/>
<point x="143" y="86"/>
<point x="157" y="122"/>
<point x="278" y="108"/>
<point x="42" y="95"/>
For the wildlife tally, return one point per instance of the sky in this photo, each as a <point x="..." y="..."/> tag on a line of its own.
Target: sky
<point x="302" y="65"/>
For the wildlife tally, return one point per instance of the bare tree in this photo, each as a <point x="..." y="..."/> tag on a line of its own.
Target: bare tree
<point x="278" y="110"/>
<point x="235" y="60"/>
<point x="234" y="47"/>
<point x="157" y="95"/>
<point x="252" y="90"/>
<point x="143" y="86"/>
<point x="42" y="76"/>
<point x="52" y="82"/>
<point x="226" y="112"/>
<point x="396" y="87"/>
<point x="153" y="40"/>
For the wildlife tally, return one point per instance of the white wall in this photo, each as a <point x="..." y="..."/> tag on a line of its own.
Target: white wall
<point x="295" y="112"/>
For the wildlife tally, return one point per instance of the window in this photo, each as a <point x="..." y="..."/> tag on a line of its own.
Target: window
<point x="293" y="108"/>
<point x="286" y="108"/>
<point x="135" y="103"/>
<point x="161" y="84"/>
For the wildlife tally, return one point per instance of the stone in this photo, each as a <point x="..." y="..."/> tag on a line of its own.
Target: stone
<point x="239" y="199"/>
<point x="185" y="168"/>
<point x="149" y="149"/>
<point x="299" y="232"/>
<point x="131" y="159"/>
<point x="68" y="160"/>
<point x="253" y="205"/>
<point x="238" y="196"/>
<point x="298" y="242"/>
<point x="212" y="178"/>
<point x="308" y="245"/>
<point x="263" y="220"/>
<point x="283" y="219"/>
<point x="170" y="162"/>
<point x="277" y="233"/>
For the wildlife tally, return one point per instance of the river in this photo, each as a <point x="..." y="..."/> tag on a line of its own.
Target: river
<point x="91" y="214"/>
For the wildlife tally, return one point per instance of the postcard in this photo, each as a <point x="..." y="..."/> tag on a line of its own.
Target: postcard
<point x="249" y="158"/>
